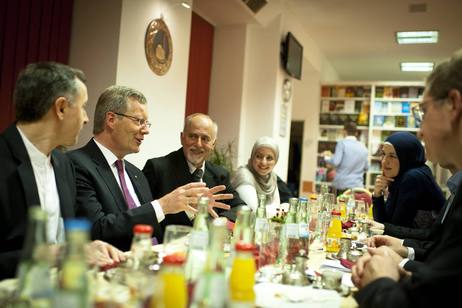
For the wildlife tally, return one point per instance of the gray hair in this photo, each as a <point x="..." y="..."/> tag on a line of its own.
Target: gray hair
<point x="114" y="99"/>
<point x="445" y="77"/>
<point x="40" y="84"/>
<point x="189" y="119"/>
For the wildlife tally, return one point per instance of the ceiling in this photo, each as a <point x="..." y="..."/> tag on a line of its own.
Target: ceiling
<point x="358" y="36"/>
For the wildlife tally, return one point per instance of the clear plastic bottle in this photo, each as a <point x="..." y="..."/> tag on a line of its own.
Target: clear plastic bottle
<point x="198" y="243"/>
<point x="290" y="240"/>
<point x="73" y="290"/>
<point x="209" y="290"/>
<point x="261" y="220"/>
<point x="242" y="278"/>
<point x="138" y="275"/>
<point x="34" y="283"/>
<point x="303" y="220"/>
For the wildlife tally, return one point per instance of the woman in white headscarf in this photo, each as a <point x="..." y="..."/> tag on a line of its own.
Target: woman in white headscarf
<point x="257" y="177"/>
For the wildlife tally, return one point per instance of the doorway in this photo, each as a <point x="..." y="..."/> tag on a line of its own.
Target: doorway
<point x="295" y="156"/>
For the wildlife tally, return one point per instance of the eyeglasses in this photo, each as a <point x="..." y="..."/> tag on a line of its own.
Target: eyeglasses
<point x="418" y="111"/>
<point x="140" y="122"/>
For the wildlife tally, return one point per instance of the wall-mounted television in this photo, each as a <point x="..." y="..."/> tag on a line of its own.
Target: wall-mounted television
<point x="292" y="56"/>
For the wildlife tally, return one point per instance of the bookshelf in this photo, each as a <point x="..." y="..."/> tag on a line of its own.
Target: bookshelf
<point x="378" y="108"/>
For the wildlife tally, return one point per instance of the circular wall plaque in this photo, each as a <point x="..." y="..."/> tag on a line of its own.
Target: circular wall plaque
<point x="158" y="46"/>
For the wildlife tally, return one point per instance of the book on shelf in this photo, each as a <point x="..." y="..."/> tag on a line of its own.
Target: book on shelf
<point x="358" y="106"/>
<point x="379" y="92"/>
<point x="340" y="106"/>
<point x="396" y="107"/>
<point x="396" y="92"/>
<point x="405" y="107"/>
<point x="381" y="107"/>
<point x="349" y="92"/>
<point x="349" y="106"/>
<point x="403" y="92"/>
<point x="325" y="105"/>
<point x="389" y="121"/>
<point x="387" y="92"/>
<point x="324" y="119"/>
<point x="325" y="91"/>
<point x="400" y="121"/>
<point x="332" y="106"/>
<point x="379" y="121"/>
<point x="413" y="92"/>
<point x="341" y="92"/>
<point x="363" y="119"/>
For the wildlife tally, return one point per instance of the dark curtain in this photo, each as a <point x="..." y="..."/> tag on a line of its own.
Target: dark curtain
<point x="30" y="31"/>
<point x="200" y="65"/>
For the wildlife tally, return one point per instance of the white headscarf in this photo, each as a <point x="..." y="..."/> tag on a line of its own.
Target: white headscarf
<point x="247" y="175"/>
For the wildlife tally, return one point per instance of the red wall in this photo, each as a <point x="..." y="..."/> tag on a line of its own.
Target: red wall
<point x="200" y="65"/>
<point x="30" y="31"/>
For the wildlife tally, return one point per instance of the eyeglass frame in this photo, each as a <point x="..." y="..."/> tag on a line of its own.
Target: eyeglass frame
<point x="419" y="113"/>
<point x="141" y="122"/>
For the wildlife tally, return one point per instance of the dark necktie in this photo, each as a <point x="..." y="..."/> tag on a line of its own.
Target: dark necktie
<point x="197" y="175"/>
<point x="128" y="198"/>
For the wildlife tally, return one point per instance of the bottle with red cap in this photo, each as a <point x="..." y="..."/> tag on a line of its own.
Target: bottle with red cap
<point x="334" y="233"/>
<point x="175" y="294"/>
<point x="138" y="277"/>
<point x="242" y="278"/>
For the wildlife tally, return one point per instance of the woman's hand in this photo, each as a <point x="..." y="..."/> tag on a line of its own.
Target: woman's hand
<point x="381" y="184"/>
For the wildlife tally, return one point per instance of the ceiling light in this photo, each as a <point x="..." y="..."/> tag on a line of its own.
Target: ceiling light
<point x="186" y="4"/>
<point x="417" y="37"/>
<point x="417" y="66"/>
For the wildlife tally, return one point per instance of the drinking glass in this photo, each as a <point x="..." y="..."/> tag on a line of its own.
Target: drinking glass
<point x="361" y="211"/>
<point x="269" y="249"/>
<point x="176" y="239"/>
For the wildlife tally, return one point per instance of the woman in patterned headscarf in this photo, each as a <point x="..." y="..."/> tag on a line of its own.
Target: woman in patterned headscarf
<point x="412" y="191"/>
<point x="257" y="177"/>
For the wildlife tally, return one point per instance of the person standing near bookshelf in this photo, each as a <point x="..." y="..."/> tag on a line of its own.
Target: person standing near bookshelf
<point x="349" y="160"/>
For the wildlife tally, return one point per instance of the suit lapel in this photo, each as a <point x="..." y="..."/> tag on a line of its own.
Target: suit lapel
<point x="103" y="168"/>
<point x="136" y="182"/>
<point x="65" y="195"/>
<point x="25" y="171"/>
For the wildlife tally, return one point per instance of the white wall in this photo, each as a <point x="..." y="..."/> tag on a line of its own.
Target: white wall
<point x="108" y="45"/>
<point x="94" y="49"/>
<point x="166" y="94"/>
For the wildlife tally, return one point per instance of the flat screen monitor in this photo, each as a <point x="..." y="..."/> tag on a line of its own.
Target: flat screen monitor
<point x="292" y="56"/>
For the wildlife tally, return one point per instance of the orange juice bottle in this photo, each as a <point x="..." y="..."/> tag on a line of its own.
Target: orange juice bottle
<point x="175" y="293"/>
<point x="334" y="233"/>
<point x="242" y="278"/>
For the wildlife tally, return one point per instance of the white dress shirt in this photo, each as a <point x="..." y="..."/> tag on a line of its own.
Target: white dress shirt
<point x="111" y="159"/>
<point x="48" y="191"/>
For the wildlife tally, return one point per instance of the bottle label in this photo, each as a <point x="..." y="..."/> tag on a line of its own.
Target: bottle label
<point x="260" y="224"/>
<point x="292" y="230"/>
<point x="304" y="230"/>
<point x="199" y="240"/>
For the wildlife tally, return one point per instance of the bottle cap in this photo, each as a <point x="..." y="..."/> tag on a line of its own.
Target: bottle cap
<point x="140" y="228"/>
<point x="77" y="224"/>
<point x="335" y="212"/>
<point x="174" y="259"/>
<point x="243" y="246"/>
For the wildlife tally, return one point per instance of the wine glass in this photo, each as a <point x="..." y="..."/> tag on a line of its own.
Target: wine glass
<point x="176" y="239"/>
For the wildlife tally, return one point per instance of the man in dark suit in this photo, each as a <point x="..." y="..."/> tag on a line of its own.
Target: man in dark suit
<point x="381" y="281"/>
<point x="188" y="164"/>
<point x="113" y="193"/>
<point x="49" y="101"/>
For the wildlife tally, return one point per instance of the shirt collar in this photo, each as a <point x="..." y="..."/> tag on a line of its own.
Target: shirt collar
<point x="351" y="138"/>
<point x="454" y="182"/>
<point x="108" y="155"/>
<point x="193" y="168"/>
